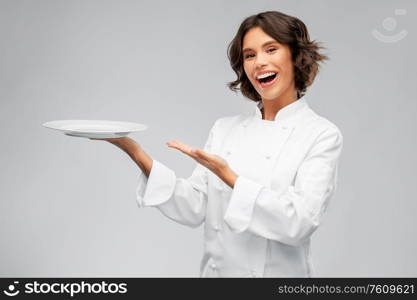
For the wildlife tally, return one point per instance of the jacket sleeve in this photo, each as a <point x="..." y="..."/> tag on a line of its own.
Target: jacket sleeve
<point x="183" y="200"/>
<point x="292" y="216"/>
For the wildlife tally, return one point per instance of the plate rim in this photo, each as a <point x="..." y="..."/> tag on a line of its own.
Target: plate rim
<point x="54" y="124"/>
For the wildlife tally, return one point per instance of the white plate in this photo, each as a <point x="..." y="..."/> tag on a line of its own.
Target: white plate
<point x="95" y="128"/>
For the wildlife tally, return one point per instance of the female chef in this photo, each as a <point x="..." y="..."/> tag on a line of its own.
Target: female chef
<point x="264" y="179"/>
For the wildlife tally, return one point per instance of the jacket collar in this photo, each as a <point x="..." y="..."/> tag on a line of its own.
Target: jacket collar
<point x="285" y="114"/>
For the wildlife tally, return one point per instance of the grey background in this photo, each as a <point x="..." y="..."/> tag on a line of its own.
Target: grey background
<point x="68" y="206"/>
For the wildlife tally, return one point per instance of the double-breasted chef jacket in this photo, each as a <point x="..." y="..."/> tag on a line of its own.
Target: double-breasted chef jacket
<point x="262" y="226"/>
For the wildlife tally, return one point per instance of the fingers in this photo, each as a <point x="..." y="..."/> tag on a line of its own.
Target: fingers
<point x="202" y="157"/>
<point x="180" y="146"/>
<point x="107" y="139"/>
<point x="193" y="152"/>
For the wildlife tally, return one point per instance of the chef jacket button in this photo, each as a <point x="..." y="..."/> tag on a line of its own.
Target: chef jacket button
<point x="228" y="152"/>
<point x="268" y="157"/>
<point x="213" y="266"/>
<point x="216" y="228"/>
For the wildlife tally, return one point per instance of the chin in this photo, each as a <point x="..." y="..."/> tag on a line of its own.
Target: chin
<point x="271" y="95"/>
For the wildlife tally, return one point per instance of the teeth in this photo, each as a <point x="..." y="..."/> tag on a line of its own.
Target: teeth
<point x="265" y="75"/>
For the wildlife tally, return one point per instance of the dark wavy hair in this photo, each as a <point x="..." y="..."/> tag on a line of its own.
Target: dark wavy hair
<point x="286" y="30"/>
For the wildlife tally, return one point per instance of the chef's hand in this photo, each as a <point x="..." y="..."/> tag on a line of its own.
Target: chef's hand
<point x="213" y="162"/>
<point x="125" y="143"/>
<point x="122" y="142"/>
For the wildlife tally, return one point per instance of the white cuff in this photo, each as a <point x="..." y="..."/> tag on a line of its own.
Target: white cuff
<point x="242" y="202"/>
<point x="141" y="187"/>
<point x="157" y="188"/>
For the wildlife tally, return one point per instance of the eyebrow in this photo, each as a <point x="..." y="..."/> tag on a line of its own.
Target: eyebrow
<point x="263" y="45"/>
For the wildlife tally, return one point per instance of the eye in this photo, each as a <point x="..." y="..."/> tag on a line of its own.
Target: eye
<point x="269" y="50"/>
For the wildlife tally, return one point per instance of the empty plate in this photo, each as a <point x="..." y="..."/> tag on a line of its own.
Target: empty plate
<point x="95" y="128"/>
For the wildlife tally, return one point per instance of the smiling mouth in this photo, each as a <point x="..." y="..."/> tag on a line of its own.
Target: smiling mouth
<point x="267" y="81"/>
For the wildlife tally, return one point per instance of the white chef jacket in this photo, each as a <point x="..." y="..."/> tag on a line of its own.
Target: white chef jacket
<point x="262" y="227"/>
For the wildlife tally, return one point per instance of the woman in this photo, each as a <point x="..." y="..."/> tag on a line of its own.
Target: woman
<point x="263" y="180"/>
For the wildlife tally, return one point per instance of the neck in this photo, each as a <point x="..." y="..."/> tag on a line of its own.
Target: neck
<point x="271" y="107"/>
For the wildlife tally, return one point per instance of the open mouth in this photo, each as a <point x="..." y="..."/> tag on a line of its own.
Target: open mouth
<point x="267" y="81"/>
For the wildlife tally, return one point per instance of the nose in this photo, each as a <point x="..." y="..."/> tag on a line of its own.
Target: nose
<point x="260" y="61"/>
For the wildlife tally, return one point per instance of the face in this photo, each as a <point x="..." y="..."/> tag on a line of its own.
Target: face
<point x="263" y="54"/>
